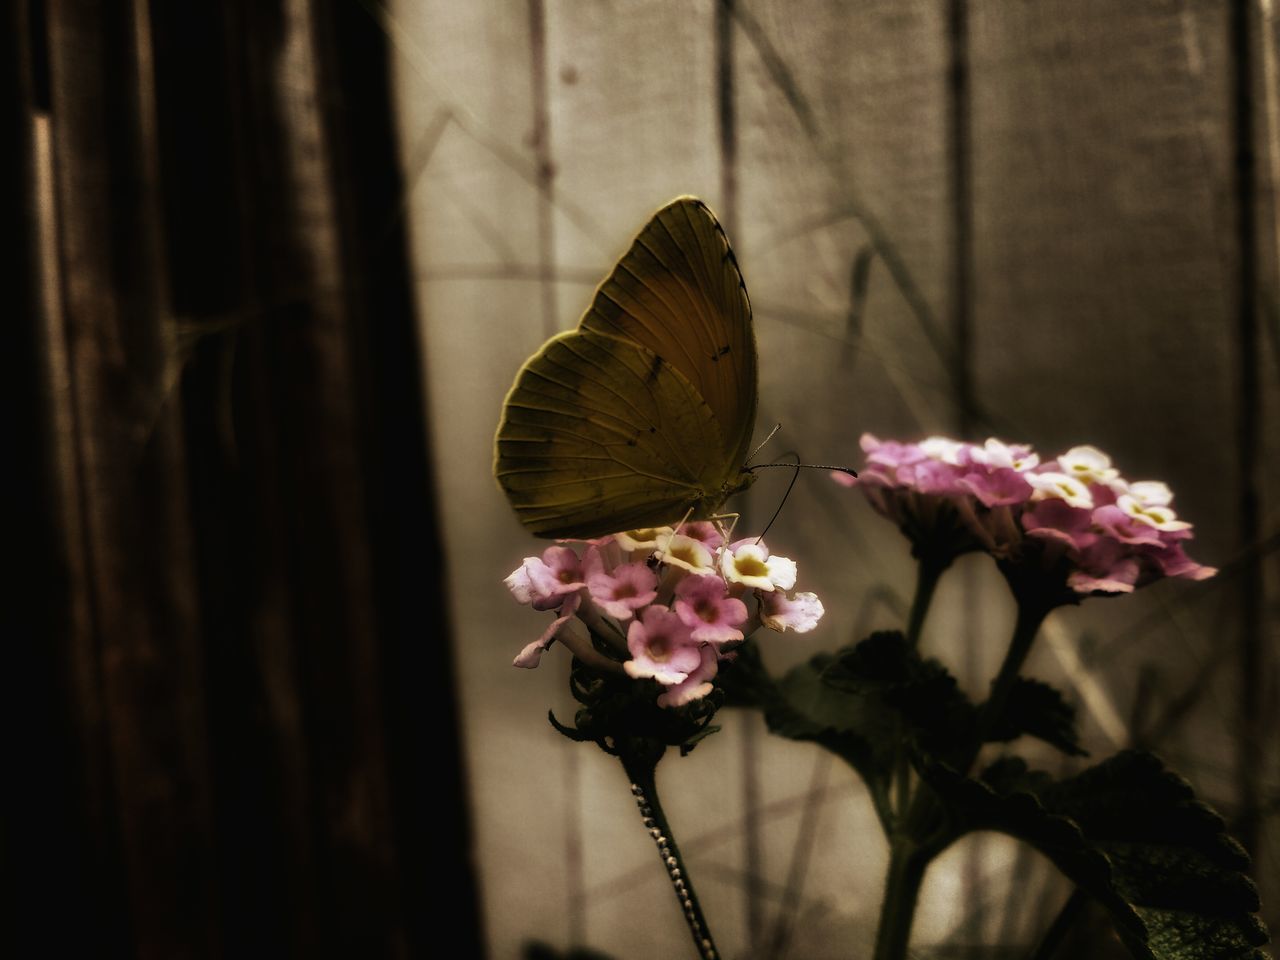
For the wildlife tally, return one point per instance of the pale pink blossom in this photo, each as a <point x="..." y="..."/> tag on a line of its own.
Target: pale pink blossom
<point x="696" y="685"/>
<point x="660" y="647"/>
<point x="705" y="532"/>
<point x="704" y="605"/>
<point x="800" y="613"/>
<point x="996" y="487"/>
<point x="623" y="591"/>
<point x="552" y="577"/>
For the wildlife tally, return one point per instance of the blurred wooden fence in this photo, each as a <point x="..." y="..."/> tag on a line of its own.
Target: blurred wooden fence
<point x="232" y="728"/>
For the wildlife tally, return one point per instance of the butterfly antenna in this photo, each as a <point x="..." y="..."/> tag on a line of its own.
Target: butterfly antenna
<point x="760" y="445"/>
<point x="805" y="466"/>
<point x="794" y="477"/>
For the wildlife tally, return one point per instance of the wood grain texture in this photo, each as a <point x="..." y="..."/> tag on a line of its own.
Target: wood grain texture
<point x="239" y="521"/>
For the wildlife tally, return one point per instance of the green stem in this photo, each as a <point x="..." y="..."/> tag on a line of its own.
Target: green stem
<point x="928" y="573"/>
<point x="1031" y="615"/>
<point x="640" y="767"/>
<point x="901" y="890"/>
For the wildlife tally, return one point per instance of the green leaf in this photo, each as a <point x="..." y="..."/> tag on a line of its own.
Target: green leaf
<point x="1038" y="710"/>
<point x="897" y="689"/>
<point x="1133" y="835"/>
<point x="805" y="708"/>
<point x="798" y="706"/>
<point x="859" y="703"/>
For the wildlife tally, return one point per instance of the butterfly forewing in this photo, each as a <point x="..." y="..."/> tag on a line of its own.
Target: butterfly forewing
<point x="645" y="412"/>
<point x="600" y="434"/>
<point x="678" y="291"/>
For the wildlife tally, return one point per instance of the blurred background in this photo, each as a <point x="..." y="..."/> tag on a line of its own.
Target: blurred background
<point x="276" y="265"/>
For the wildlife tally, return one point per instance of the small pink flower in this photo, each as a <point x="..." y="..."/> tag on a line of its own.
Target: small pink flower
<point x="551" y="578"/>
<point x="1118" y="525"/>
<point x="800" y="613"/>
<point x="1000" y="487"/>
<point x="703" y="605"/>
<point x="624" y="591"/>
<point x="696" y="685"/>
<point x="660" y="647"/>
<point x="705" y="532"/>
<point x="1172" y="561"/>
<point x="1057" y="519"/>
<point x="1105" y="566"/>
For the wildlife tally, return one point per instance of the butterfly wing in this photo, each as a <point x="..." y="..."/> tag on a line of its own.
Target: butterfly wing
<point x="678" y="292"/>
<point x="601" y="434"/>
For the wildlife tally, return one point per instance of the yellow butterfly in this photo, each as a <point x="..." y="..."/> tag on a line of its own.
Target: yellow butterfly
<point x="644" y="413"/>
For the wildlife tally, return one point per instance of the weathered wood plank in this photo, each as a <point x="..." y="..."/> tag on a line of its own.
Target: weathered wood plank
<point x="131" y="466"/>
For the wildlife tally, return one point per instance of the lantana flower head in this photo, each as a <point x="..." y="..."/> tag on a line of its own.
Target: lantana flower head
<point x="664" y="605"/>
<point x="1074" y="514"/>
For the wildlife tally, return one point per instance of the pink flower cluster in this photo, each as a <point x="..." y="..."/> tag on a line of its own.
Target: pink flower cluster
<point x="672" y="602"/>
<point x="1114" y="534"/>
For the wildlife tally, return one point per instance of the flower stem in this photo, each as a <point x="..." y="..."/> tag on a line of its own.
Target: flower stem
<point x="1031" y="614"/>
<point x="641" y="767"/>
<point x="928" y="573"/>
<point x="901" y="890"/>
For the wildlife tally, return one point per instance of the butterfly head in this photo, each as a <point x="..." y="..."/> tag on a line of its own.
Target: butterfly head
<point x="711" y="504"/>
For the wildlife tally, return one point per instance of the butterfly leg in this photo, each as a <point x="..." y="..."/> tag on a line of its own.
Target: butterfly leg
<point x="719" y="519"/>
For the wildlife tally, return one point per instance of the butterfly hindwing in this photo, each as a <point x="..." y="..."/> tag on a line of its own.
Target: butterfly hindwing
<point x="600" y="434"/>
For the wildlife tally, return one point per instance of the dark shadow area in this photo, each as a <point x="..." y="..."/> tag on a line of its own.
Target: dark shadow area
<point x="234" y="729"/>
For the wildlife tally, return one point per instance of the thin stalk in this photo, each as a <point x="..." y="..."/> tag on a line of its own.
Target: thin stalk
<point x="1032" y="609"/>
<point x="640" y="769"/>
<point x="1031" y="615"/>
<point x="901" y="891"/>
<point x="928" y="573"/>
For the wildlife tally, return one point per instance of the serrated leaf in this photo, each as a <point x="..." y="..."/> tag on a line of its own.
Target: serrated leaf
<point x="897" y="686"/>
<point x="1036" y="709"/>
<point x="1133" y="835"/>
<point x="804" y="708"/>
